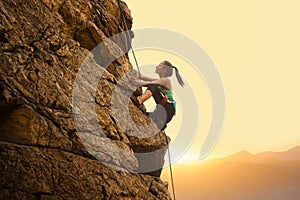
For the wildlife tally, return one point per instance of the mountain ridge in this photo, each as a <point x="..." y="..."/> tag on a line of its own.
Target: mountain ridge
<point x="236" y="178"/>
<point x="245" y="156"/>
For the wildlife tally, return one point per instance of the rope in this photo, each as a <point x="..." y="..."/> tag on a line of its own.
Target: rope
<point x="126" y="29"/>
<point x="170" y="163"/>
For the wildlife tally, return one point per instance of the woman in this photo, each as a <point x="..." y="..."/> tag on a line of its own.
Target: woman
<point x="161" y="90"/>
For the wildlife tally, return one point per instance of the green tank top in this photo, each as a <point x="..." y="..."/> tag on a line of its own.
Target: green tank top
<point x="169" y="94"/>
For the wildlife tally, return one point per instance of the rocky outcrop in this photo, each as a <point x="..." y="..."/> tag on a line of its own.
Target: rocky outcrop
<point x="44" y="153"/>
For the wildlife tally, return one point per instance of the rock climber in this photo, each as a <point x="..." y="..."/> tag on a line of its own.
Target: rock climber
<point x="161" y="90"/>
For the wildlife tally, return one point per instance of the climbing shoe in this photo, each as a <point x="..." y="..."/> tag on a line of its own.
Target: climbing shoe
<point x="135" y="101"/>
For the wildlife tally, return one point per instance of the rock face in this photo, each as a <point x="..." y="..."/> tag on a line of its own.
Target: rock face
<point x="51" y="146"/>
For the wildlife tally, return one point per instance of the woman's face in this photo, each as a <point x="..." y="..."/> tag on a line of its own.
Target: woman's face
<point x="160" y="69"/>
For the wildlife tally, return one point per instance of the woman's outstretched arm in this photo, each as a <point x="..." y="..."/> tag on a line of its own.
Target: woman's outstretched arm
<point x="146" y="78"/>
<point x="163" y="81"/>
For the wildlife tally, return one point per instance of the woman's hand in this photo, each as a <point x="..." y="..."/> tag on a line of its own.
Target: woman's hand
<point x="142" y="76"/>
<point x="135" y="81"/>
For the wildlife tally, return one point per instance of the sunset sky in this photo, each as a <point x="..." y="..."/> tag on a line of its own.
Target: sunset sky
<point x="255" y="46"/>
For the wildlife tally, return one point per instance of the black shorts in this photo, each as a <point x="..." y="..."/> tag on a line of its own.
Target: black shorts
<point x="162" y="113"/>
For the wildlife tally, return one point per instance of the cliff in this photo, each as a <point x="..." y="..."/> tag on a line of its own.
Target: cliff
<point x="44" y="153"/>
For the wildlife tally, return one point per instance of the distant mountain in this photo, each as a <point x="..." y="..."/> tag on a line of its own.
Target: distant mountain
<point x="242" y="155"/>
<point x="242" y="176"/>
<point x="245" y="156"/>
<point x="292" y="154"/>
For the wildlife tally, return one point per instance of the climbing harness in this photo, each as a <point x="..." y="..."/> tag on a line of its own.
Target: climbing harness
<point x="166" y="99"/>
<point x="167" y="96"/>
<point x="170" y="163"/>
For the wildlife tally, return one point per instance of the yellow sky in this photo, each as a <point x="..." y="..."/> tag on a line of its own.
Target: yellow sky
<point x="255" y="46"/>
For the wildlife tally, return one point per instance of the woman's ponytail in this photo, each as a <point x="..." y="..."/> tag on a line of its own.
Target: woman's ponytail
<point x="179" y="79"/>
<point x="169" y="72"/>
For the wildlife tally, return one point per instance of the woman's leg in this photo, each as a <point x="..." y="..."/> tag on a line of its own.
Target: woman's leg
<point x="147" y="94"/>
<point x="155" y="91"/>
<point x="162" y="113"/>
<point x="141" y="99"/>
<point x="152" y="90"/>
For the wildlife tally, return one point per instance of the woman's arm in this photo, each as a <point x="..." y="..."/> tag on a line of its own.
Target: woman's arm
<point x="146" y="78"/>
<point x="163" y="81"/>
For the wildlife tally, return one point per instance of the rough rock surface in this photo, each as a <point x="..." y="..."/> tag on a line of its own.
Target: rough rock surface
<point x="43" y="44"/>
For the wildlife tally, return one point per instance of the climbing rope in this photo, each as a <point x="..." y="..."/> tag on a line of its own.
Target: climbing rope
<point x="126" y="29"/>
<point x="170" y="163"/>
<point x="126" y="33"/>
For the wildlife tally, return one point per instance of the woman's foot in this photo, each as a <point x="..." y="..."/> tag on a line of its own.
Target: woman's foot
<point x="136" y="101"/>
<point x="139" y="99"/>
